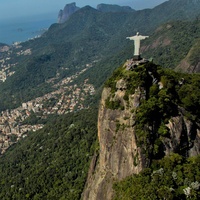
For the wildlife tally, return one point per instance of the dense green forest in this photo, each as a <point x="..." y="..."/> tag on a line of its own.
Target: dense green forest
<point x="51" y="163"/>
<point x="172" y="178"/>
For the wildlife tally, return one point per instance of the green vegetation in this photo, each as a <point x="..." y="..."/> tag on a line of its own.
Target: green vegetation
<point x="194" y="54"/>
<point x="114" y="8"/>
<point x="138" y="77"/>
<point x="179" y="90"/>
<point x="173" y="41"/>
<point x="113" y="105"/>
<point x="51" y="163"/>
<point x="172" y="178"/>
<point x="165" y="91"/>
<point x="134" y="79"/>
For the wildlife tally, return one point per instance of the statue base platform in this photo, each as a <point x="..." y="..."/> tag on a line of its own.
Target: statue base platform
<point x="131" y="64"/>
<point x="137" y="58"/>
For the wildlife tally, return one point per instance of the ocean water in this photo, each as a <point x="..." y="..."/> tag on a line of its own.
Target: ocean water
<point x="23" y="29"/>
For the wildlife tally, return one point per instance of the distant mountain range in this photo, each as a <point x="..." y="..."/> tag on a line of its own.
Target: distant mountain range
<point x="184" y="9"/>
<point x="71" y="8"/>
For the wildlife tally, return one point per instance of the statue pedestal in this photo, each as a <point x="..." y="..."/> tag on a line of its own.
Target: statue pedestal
<point x="137" y="58"/>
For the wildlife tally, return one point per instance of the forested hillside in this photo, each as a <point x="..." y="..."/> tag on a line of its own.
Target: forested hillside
<point x="191" y="63"/>
<point x="172" y="41"/>
<point x="66" y="68"/>
<point x="51" y="163"/>
<point x="173" y="178"/>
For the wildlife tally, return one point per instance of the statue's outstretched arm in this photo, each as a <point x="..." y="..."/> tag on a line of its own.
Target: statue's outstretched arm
<point x="130" y="38"/>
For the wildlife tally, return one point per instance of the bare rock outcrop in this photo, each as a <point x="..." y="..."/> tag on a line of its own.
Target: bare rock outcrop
<point x="119" y="154"/>
<point x="184" y="137"/>
<point x="68" y="10"/>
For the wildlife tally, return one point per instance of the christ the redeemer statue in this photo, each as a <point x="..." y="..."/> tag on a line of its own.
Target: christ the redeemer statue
<point x="137" y="38"/>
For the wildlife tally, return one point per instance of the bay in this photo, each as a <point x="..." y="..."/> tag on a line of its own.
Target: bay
<point x="23" y="29"/>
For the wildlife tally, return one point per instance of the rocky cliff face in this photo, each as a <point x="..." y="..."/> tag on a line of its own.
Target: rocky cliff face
<point x="184" y="137"/>
<point x="68" y="10"/>
<point x="71" y="8"/>
<point x="121" y="153"/>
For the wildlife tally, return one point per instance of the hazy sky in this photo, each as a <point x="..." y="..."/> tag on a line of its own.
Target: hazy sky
<point x="17" y="8"/>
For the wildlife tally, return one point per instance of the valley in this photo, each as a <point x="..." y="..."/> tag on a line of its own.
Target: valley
<point x="66" y="97"/>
